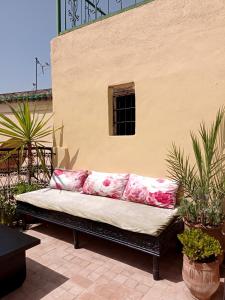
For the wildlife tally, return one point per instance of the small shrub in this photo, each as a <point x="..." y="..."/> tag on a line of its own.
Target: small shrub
<point x="199" y="246"/>
<point x="8" y="209"/>
<point x="23" y="187"/>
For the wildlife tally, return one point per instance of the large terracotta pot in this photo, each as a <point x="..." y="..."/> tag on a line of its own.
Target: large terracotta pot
<point x="216" y="232"/>
<point x="202" y="279"/>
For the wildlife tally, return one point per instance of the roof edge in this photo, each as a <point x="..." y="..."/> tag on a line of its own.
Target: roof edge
<point x="37" y="95"/>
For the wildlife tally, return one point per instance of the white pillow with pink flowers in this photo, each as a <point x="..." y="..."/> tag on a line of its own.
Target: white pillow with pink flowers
<point x="151" y="191"/>
<point x="105" y="184"/>
<point x="68" y="180"/>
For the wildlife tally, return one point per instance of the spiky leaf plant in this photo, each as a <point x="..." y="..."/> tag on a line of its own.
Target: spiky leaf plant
<point x="28" y="131"/>
<point x="203" y="180"/>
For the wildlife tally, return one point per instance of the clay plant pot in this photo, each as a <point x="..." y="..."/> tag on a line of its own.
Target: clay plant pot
<point x="202" y="279"/>
<point x="216" y="232"/>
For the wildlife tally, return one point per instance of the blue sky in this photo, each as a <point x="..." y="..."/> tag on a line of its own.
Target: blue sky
<point x="27" y="26"/>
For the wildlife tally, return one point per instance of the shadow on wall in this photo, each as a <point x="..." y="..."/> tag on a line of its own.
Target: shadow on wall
<point x="68" y="162"/>
<point x="62" y="158"/>
<point x="60" y="136"/>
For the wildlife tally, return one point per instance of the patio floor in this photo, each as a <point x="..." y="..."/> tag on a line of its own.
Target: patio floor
<point x="99" y="271"/>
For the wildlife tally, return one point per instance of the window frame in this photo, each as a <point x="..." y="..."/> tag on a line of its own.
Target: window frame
<point x="119" y="110"/>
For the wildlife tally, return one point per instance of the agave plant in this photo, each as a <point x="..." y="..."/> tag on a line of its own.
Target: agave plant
<point x="202" y="180"/>
<point x="26" y="133"/>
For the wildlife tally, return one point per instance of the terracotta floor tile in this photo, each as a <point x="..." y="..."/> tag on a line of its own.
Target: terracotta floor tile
<point x="142" y="288"/>
<point x="68" y="285"/>
<point x="76" y="290"/>
<point x="131" y="283"/>
<point x="90" y="296"/>
<point x="98" y="271"/>
<point x="82" y="281"/>
<point x="67" y="296"/>
<point x="93" y="276"/>
<point x="117" y="269"/>
<point x="120" y="278"/>
<point x="104" y="291"/>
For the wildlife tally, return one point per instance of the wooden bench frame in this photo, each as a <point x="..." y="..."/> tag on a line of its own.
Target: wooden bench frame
<point x="156" y="246"/>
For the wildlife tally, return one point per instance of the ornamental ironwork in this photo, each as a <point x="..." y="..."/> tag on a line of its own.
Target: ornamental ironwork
<point x="14" y="168"/>
<point x="73" y="13"/>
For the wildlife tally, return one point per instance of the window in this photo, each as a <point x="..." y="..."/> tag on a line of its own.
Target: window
<point x="123" y="109"/>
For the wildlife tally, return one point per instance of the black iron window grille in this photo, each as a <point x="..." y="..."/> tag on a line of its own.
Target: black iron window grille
<point x="124" y="110"/>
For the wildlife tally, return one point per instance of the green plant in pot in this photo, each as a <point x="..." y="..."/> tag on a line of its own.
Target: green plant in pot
<point x="202" y="178"/>
<point x="21" y="188"/>
<point x="7" y="210"/>
<point x="27" y="130"/>
<point x="200" y="264"/>
<point x="24" y="187"/>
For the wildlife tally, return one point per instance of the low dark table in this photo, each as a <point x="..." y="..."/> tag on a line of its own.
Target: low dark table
<point x="13" y="245"/>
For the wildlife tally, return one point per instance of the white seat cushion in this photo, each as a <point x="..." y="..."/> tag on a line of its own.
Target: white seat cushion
<point x="130" y="216"/>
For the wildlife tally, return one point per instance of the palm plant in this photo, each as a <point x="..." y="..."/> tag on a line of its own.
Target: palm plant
<point x="203" y="181"/>
<point x="26" y="133"/>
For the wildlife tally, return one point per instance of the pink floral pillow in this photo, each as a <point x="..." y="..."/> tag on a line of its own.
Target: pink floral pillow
<point x="68" y="180"/>
<point x="151" y="191"/>
<point x="105" y="184"/>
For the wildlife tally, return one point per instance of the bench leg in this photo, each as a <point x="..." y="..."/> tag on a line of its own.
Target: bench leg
<point x="76" y="239"/>
<point x="178" y="246"/>
<point x="155" y="267"/>
<point x="24" y="223"/>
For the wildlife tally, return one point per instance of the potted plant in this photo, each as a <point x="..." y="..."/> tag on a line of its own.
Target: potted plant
<point x="200" y="264"/>
<point x="202" y="178"/>
<point x="24" y="187"/>
<point x="21" y="188"/>
<point x="29" y="132"/>
<point x="7" y="210"/>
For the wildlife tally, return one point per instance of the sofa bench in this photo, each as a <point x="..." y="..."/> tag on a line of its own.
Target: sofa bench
<point x="146" y="228"/>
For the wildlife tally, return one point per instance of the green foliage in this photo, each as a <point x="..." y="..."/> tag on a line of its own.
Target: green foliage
<point x="199" y="246"/>
<point x="202" y="212"/>
<point x="28" y="131"/>
<point x="30" y="128"/>
<point x="8" y="205"/>
<point x="23" y="187"/>
<point x="203" y="181"/>
<point x="8" y="202"/>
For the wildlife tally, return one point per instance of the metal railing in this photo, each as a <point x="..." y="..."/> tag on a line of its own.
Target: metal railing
<point x="14" y="169"/>
<point x="73" y="13"/>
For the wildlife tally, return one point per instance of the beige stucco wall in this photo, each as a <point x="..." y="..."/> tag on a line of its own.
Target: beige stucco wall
<point x="41" y="107"/>
<point x="174" y="52"/>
